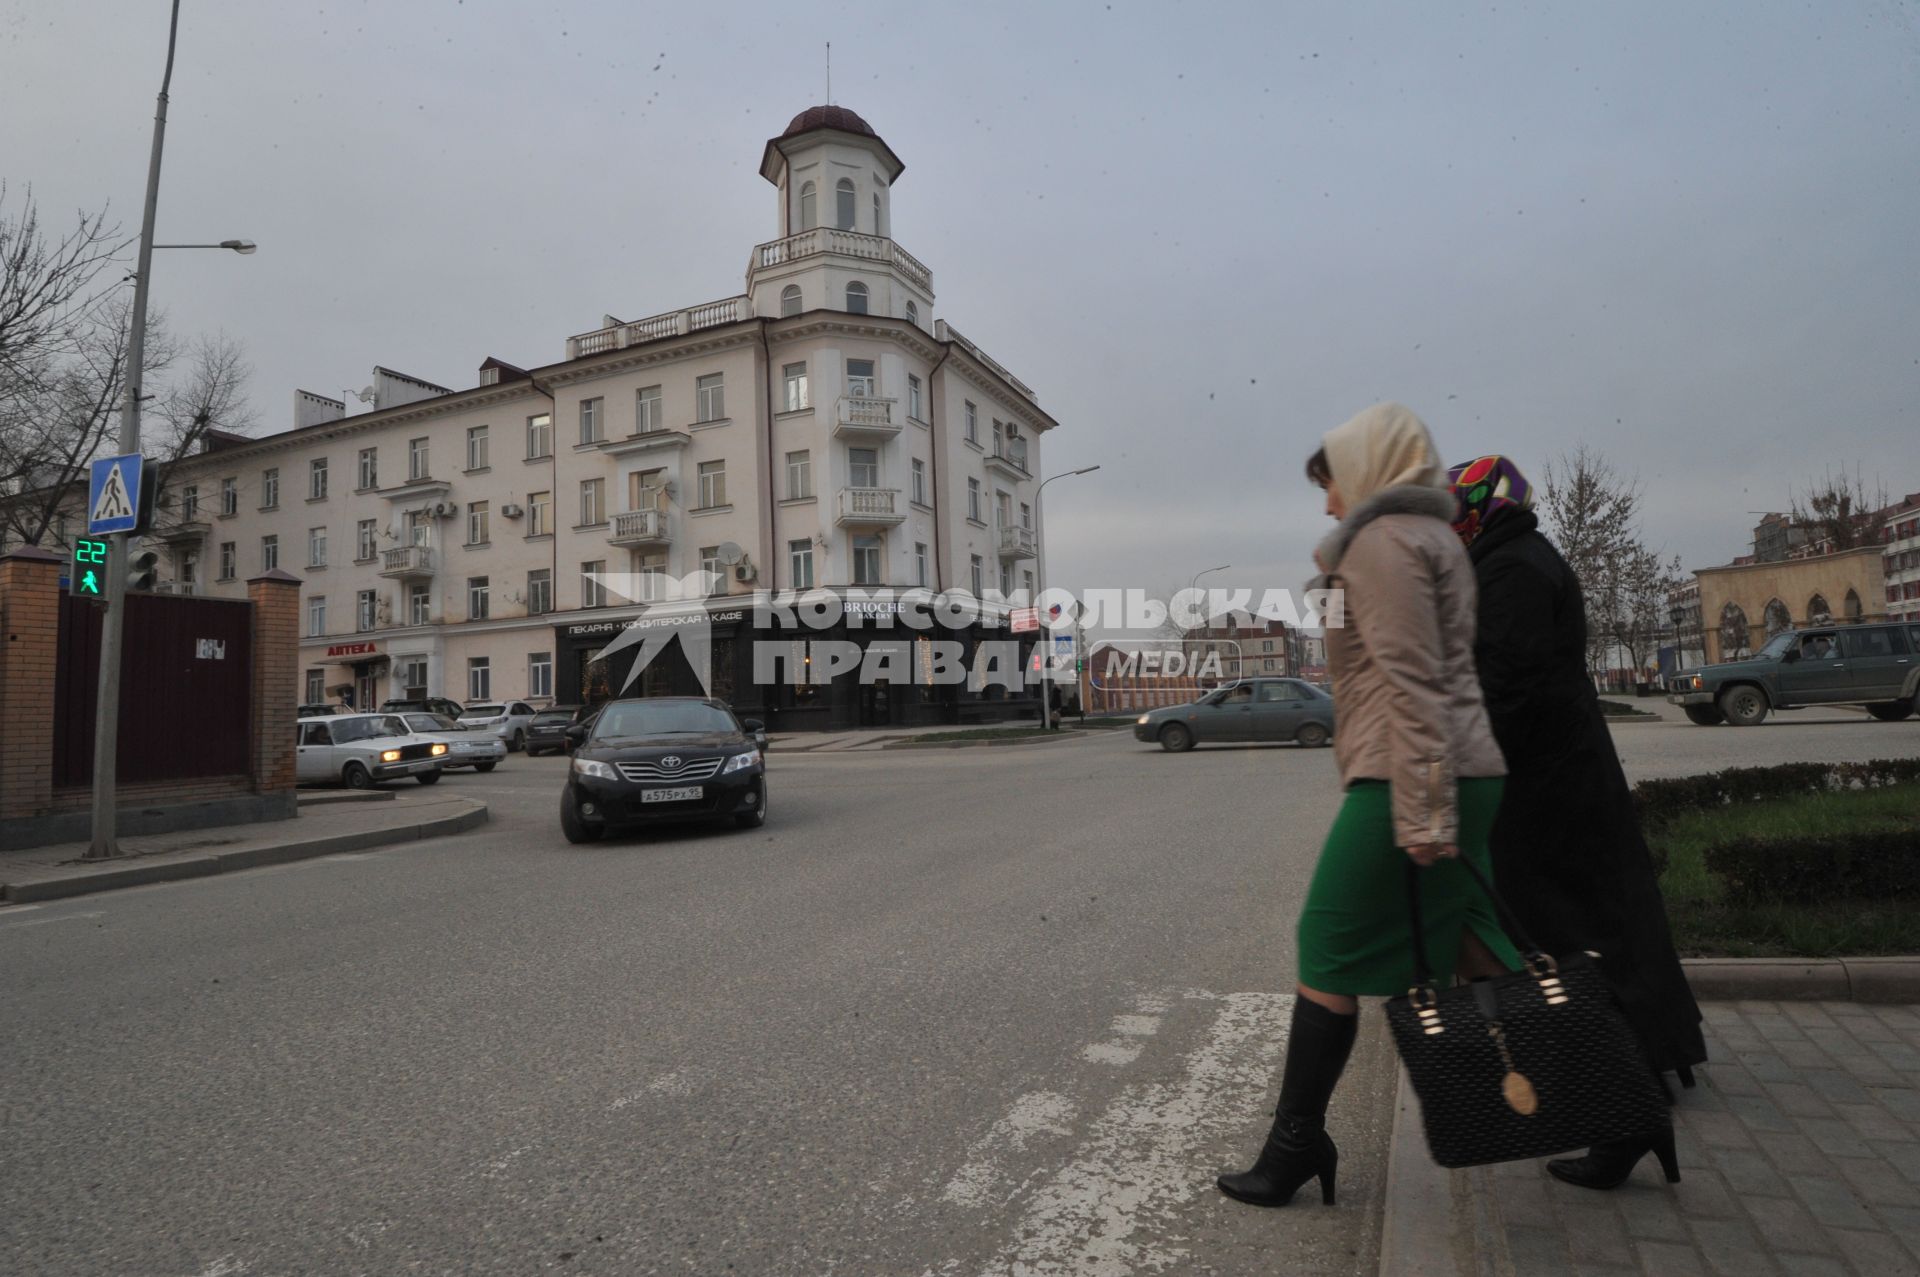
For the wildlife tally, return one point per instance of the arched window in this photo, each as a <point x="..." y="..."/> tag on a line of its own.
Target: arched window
<point x="809" y="216"/>
<point x="1818" y="613"/>
<point x="1776" y="617"/>
<point x="843" y="204"/>
<point x="913" y="314"/>
<point x="1851" y="607"/>
<point x="1735" y="636"/>
<point x="878" y="229"/>
<point x="790" y="300"/>
<point x="856" y="298"/>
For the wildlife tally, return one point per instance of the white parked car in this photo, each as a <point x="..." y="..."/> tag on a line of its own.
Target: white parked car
<point x="507" y="720"/>
<point x="361" y="750"/>
<point x="480" y="750"/>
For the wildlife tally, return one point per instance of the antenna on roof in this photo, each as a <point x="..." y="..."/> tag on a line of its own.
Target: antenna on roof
<point x="829" y="73"/>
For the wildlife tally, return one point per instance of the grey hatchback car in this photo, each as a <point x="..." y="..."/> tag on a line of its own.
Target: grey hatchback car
<point x="1256" y="709"/>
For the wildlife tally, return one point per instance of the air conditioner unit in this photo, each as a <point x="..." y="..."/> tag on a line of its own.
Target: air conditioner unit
<point x="1013" y="431"/>
<point x="445" y="509"/>
<point x="511" y="511"/>
<point x="744" y="571"/>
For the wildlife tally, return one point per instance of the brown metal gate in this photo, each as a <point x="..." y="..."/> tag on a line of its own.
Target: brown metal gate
<point x="185" y="686"/>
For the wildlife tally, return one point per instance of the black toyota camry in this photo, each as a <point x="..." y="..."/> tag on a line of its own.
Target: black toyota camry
<point x="664" y="758"/>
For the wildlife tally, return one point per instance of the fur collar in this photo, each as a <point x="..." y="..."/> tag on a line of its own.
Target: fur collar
<point x="1405" y="498"/>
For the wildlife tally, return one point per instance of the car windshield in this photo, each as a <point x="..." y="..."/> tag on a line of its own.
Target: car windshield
<point x="431" y="723"/>
<point x="662" y="718"/>
<point x="552" y="716"/>
<point x="483" y="711"/>
<point x="352" y="729"/>
<point x="1776" y="648"/>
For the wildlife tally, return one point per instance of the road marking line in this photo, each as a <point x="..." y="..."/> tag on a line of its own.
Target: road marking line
<point x="225" y="1266"/>
<point x="41" y="922"/>
<point x="1136" y="1026"/>
<point x="1106" y="1212"/>
<point x="1117" y="1053"/>
<point x="984" y="1177"/>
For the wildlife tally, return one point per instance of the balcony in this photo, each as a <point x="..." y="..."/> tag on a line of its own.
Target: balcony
<point x="826" y="241"/>
<point x="1017" y="543"/>
<point x="409" y="562"/>
<point x="639" y="528"/>
<point x="870" y="508"/>
<point x="677" y="323"/>
<point x="1009" y="457"/>
<point x="865" y="418"/>
<point x="645" y="441"/>
<point x="180" y="533"/>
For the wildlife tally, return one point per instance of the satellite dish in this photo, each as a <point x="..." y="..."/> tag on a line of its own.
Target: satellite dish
<point x="730" y="553"/>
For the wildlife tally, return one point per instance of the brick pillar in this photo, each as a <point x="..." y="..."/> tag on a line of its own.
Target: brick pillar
<point x="29" y="645"/>
<point x="276" y="678"/>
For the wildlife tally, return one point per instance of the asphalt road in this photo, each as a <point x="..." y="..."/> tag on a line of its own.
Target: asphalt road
<point x="978" y="1011"/>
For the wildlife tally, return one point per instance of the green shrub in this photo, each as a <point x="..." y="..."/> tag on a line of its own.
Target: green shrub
<point x="1662" y="801"/>
<point x="1862" y="865"/>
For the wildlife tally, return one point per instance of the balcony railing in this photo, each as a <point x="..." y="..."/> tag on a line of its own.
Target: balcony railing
<point x="866" y="415"/>
<point x="675" y="323"/>
<point x="639" y="527"/>
<point x="1010" y="456"/>
<point x="870" y="506"/>
<point x="407" y="560"/>
<point x="1016" y="543"/>
<point x="826" y="239"/>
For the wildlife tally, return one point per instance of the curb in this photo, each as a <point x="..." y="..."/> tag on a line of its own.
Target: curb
<point x="1063" y="734"/>
<point x="138" y="875"/>
<point x="1895" y="979"/>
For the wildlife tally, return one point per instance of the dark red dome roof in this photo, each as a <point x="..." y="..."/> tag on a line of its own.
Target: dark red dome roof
<point x="828" y="117"/>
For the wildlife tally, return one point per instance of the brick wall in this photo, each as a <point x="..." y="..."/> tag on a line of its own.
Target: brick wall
<point x="159" y="792"/>
<point x="29" y="640"/>
<point x="276" y="678"/>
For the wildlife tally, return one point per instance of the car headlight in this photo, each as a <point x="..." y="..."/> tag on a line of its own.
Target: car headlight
<point x="594" y="768"/>
<point x="390" y="756"/>
<point x="1141" y="721"/>
<point x="439" y="750"/>
<point x="741" y="761"/>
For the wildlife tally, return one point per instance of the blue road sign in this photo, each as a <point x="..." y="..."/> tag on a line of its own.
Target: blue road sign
<point x="113" y="494"/>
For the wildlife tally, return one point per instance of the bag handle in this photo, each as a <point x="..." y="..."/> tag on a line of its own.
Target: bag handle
<point x="1422" y="972"/>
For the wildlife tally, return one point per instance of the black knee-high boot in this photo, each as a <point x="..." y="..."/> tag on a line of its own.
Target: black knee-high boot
<point x="1298" y="1148"/>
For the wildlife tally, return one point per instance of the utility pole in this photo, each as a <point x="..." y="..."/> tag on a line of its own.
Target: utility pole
<point x="106" y="731"/>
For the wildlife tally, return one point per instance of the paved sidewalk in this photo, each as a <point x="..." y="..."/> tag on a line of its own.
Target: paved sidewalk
<point x="327" y="824"/>
<point x="1799" y="1154"/>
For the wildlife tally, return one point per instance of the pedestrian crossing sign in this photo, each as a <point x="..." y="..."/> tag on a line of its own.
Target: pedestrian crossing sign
<point x="113" y="494"/>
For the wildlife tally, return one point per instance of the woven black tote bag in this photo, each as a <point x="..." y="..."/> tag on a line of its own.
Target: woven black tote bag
<point x="1524" y="1065"/>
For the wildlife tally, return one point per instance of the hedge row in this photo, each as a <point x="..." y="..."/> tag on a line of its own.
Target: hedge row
<point x="1880" y="866"/>
<point x="1660" y="801"/>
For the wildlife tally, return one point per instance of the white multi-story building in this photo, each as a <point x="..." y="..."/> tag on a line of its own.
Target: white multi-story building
<point x="821" y="429"/>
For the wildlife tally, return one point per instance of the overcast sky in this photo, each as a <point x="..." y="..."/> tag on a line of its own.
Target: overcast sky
<point x="1682" y="233"/>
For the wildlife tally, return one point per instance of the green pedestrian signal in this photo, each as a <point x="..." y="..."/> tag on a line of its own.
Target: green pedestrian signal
<point x="89" y="563"/>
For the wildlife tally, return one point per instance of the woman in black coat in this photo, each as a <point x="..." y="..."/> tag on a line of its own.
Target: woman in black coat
<point x="1567" y="849"/>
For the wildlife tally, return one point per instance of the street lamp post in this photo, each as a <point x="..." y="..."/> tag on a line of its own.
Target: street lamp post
<point x="1039" y="514"/>
<point x="1193" y="583"/>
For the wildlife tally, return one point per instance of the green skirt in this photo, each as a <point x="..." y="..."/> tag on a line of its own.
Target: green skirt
<point x="1355" y="935"/>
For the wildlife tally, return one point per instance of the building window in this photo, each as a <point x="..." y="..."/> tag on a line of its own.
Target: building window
<point x="189" y="568"/>
<point x="713" y="484"/>
<point x="710" y="398"/>
<point x="1002" y="508"/>
<point x="369" y="468"/>
<point x="229" y="497"/>
<point x="1027" y="581"/>
<point x="919" y="476"/>
<point x="189" y="503"/>
<point x="651" y="567"/>
<point x="856" y="298"/>
<point x="877" y="229"/>
<point x="539" y="592"/>
<point x="809" y="207"/>
<point x="789" y="300"/>
<point x="269" y="553"/>
<point x="539" y="513"/>
<point x="363" y="610"/>
<point x="866" y="560"/>
<point x="913" y="314"/>
<point x="317" y="479"/>
<point x="479" y="679"/>
<point x="800" y="564"/>
<point x="590" y="420"/>
<point x="476" y="447"/>
<point x="592" y="592"/>
<point x="860" y="380"/>
<point x="794" y="377"/>
<point x="863" y="467"/>
<point x="843" y="204"/>
<point x="539" y="436"/>
<point x="364" y="533"/>
<point x="973" y="500"/>
<point x="799" y="475"/>
<point x="973" y="424"/>
<point x="540" y="674"/>
<point x="593" y="502"/>
<point x="270" y="488"/>
<point x="419" y="604"/>
<point x="979" y="568"/>
<point x="228" y="567"/>
<point x="316" y="687"/>
<point x="412" y="677"/>
<point x="477" y="598"/>
<point x="920" y="563"/>
<point x="317" y="616"/>
<point x="479" y="523"/>
<point x="715" y="570"/>
<point x="316" y="547"/>
<point x="913" y="398"/>
<point x="1026" y="516"/>
<point x="417" y="467"/>
<point x="1006" y="578"/>
<point x="419" y="528"/>
<point x="646" y="410"/>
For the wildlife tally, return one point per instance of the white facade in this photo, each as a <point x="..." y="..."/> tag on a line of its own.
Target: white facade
<point x="442" y="537"/>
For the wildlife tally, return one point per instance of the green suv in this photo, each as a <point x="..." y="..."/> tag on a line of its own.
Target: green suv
<point x="1877" y="666"/>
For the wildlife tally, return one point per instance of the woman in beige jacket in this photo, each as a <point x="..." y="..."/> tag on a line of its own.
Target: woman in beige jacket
<point x="1420" y="768"/>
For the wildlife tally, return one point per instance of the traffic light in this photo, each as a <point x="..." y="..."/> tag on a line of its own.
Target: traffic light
<point x="86" y="576"/>
<point x="142" y="568"/>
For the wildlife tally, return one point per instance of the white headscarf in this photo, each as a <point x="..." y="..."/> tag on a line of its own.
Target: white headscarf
<point x="1383" y="447"/>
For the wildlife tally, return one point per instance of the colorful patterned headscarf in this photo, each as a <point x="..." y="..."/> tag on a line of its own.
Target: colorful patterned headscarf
<point x="1484" y="490"/>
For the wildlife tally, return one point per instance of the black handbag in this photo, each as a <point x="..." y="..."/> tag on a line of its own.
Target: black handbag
<point x="1529" y="1064"/>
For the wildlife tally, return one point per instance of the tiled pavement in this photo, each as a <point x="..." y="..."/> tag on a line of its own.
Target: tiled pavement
<point x="1799" y="1154"/>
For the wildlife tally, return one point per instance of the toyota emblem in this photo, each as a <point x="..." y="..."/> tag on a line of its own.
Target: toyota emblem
<point x="670" y="763"/>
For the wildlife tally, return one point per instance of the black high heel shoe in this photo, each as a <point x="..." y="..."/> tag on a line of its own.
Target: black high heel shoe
<point x="1608" y="1165"/>
<point x="1296" y="1151"/>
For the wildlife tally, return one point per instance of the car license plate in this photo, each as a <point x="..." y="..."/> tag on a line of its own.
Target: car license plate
<point x="685" y="794"/>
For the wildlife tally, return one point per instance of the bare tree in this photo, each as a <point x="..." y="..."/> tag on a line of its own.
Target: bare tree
<point x="50" y="287"/>
<point x="1592" y="511"/>
<point x="1634" y="608"/>
<point x="209" y="396"/>
<point x="1841" y="512"/>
